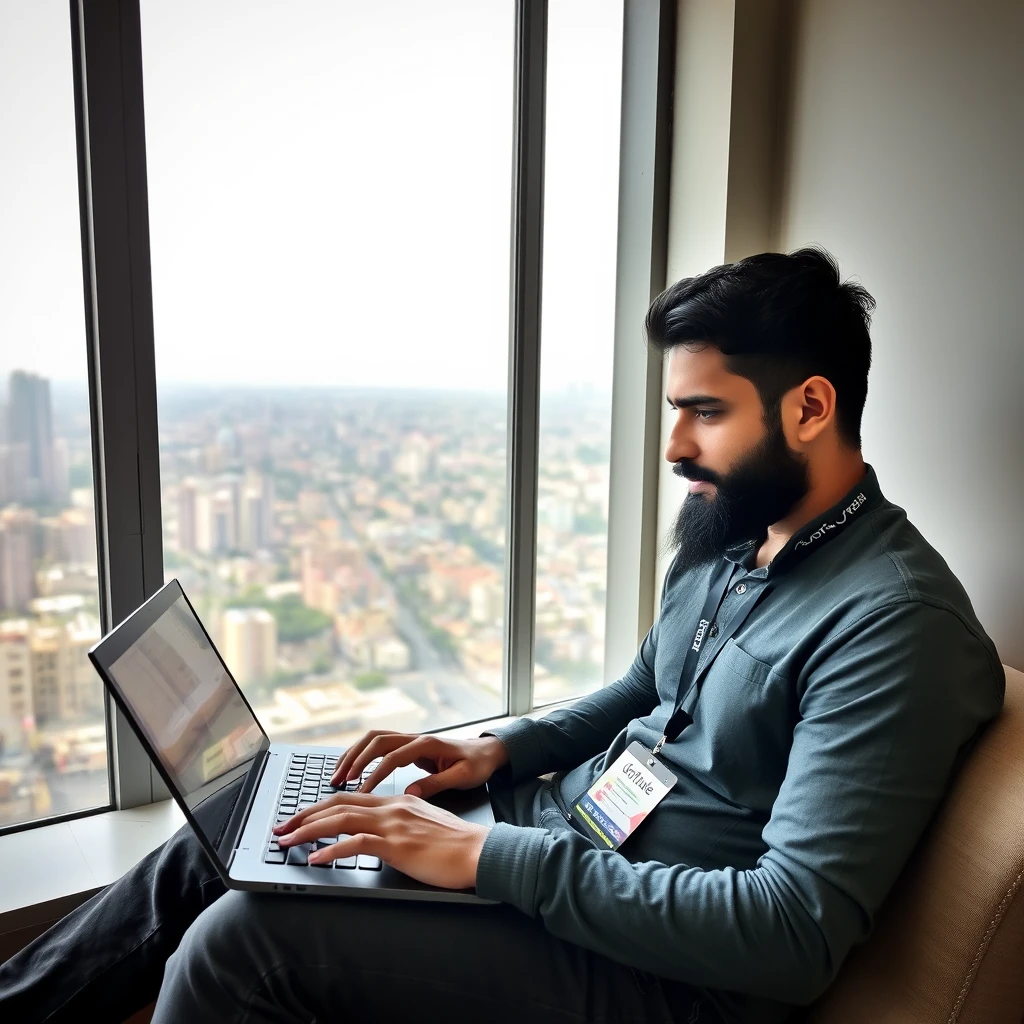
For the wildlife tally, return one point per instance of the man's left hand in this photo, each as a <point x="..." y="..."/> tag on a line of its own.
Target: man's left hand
<point x="413" y="836"/>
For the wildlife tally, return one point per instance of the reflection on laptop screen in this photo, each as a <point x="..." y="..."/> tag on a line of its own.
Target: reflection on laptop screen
<point x="185" y="702"/>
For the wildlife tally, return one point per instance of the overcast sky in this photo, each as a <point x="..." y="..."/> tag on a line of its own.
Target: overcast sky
<point x="329" y="191"/>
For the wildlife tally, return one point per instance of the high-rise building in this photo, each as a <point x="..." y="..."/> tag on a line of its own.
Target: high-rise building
<point x="188" y="494"/>
<point x="13" y="472"/>
<point x="256" y="518"/>
<point x="16" y="708"/>
<point x="30" y="423"/>
<point x="249" y="643"/>
<point x="64" y="685"/>
<point x="216" y="521"/>
<point x="70" y="538"/>
<point x="17" y="558"/>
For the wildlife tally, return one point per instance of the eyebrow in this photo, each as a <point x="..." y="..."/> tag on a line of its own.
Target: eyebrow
<point x="692" y="400"/>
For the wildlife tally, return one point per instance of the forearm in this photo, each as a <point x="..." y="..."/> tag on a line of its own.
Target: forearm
<point x="567" y="737"/>
<point x="741" y="930"/>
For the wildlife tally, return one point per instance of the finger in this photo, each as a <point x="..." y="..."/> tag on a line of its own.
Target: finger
<point x="346" y="759"/>
<point x="328" y="808"/>
<point x="371" y="750"/>
<point x="338" y="799"/>
<point x="456" y="777"/>
<point x="348" y="822"/>
<point x="399" y="758"/>
<point x="362" y="842"/>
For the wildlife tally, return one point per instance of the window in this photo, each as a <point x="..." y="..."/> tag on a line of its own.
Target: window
<point x="584" y="85"/>
<point x="335" y="438"/>
<point x="329" y="189"/>
<point x="53" y="738"/>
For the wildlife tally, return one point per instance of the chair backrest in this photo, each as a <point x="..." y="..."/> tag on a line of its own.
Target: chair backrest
<point x="948" y="945"/>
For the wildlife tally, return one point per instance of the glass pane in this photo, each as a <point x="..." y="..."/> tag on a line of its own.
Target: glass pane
<point x="329" y="191"/>
<point x="53" y="741"/>
<point x="577" y="336"/>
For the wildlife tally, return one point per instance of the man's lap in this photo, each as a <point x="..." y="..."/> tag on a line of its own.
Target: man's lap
<point x="258" y="957"/>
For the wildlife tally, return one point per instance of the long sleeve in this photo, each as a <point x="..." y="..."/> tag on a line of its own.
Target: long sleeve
<point x="886" y="708"/>
<point x="568" y="736"/>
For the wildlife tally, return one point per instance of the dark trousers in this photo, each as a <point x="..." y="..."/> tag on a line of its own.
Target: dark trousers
<point x="169" y="926"/>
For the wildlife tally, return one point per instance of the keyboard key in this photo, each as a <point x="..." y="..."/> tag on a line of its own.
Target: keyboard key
<point x="299" y="854"/>
<point x="369" y="863"/>
<point x="345" y="862"/>
<point x="327" y="841"/>
<point x="274" y="857"/>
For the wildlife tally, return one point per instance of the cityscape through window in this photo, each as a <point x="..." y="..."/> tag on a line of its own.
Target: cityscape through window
<point x="330" y="216"/>
<point x="53" y="742"/>
<point x="584" y="87"/>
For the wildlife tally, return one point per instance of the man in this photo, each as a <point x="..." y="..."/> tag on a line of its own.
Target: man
<point x="813" y="681"/>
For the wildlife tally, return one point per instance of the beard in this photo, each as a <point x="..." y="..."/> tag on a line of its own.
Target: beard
<point x="764" y="487"/>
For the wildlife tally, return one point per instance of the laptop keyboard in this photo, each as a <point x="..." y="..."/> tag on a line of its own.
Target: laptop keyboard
<point x="308" y="781"/>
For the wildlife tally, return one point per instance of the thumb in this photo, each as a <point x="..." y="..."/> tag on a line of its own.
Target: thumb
<point x="431" y="784"/>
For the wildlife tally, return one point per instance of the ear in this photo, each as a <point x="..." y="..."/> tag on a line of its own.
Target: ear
<point x="808" y="410"/>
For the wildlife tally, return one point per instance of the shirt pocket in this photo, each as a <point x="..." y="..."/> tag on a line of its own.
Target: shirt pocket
<point x="742" y="728"/>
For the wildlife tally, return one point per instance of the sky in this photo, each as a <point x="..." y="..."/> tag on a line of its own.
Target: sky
<point x="329" y="188"/>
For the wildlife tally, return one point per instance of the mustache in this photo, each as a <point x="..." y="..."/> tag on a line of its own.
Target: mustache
<point x="691" y="471"/>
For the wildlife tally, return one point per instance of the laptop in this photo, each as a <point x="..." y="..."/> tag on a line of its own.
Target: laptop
<point x="165" y="674"/>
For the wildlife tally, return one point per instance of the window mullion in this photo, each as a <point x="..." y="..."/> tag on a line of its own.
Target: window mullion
<point x="524" y="352"/>
<point x="107" y="47"/>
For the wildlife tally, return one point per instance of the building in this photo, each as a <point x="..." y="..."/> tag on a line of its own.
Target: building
<point x="249" y="643"/>
<point x="65" y="686"/>
<point x="256" y="514"/>
<point x="391" y="654"/>
<point x="16" y="709"/>
<point x="17" y="558"/>
<point x="188" y="496"/>
<point x="487" y="602"/>
<point x="13" y="471"/>
<point x="30" y="424"/>
<point x="216" y="522"/>
<point x="70" y="538"/>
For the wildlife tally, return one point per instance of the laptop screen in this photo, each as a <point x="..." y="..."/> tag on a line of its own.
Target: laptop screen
<point x="188" y="706"/>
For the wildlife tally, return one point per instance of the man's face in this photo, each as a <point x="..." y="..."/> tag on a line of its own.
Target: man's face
<point x="743" y="476"/>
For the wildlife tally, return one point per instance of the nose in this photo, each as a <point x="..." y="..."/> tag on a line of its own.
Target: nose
<point x="680" y="442"/>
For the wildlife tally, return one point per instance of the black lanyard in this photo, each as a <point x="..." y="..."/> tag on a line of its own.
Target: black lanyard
<point x="680" y="719"/>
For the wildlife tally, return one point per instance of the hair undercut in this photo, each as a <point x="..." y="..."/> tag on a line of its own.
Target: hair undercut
<point x="778" y="319"/>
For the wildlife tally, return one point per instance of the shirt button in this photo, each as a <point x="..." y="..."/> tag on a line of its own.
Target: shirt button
<point x="741" y="588"/>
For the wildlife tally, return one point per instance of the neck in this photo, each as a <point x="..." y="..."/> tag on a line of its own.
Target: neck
<point x="843" y="475"/>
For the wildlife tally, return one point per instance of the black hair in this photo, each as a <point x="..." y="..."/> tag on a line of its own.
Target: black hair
<point x="778" y="319"/>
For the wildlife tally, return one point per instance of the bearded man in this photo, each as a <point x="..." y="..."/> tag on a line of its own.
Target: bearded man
<point x="723" y="823"/>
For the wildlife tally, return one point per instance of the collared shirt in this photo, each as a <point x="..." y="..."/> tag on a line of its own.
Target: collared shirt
<point x="824" y="736"/>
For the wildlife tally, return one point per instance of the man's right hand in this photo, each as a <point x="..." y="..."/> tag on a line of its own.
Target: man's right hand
<point x="453" y="764"/>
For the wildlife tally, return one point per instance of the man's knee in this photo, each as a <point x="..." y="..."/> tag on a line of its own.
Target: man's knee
<point x="223" y="951"/>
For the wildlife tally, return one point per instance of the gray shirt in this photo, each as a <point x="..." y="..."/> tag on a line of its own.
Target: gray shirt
<point x="823" y="739"/>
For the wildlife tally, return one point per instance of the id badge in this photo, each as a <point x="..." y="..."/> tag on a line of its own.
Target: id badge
<point x="612" y="809"/>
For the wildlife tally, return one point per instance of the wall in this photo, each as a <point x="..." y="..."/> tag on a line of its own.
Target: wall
<point x="902" y="154"/>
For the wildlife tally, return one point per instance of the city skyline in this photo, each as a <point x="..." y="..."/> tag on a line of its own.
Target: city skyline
<point x="344" y="548"/>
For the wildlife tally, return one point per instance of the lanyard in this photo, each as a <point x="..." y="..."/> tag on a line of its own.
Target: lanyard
<point x="680" y="719"/>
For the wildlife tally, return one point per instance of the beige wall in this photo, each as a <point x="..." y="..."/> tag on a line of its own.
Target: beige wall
<point x="892" y="133"/>
<point x="904" y="155"/>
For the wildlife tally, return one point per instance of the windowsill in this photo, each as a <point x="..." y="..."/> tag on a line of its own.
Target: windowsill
<point x="49" y="870"/>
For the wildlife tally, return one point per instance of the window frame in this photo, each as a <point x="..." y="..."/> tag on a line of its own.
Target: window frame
<point x="106" y="40"/>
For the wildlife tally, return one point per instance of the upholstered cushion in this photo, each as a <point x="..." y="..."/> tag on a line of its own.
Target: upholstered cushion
<point x="948" y="946"/>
